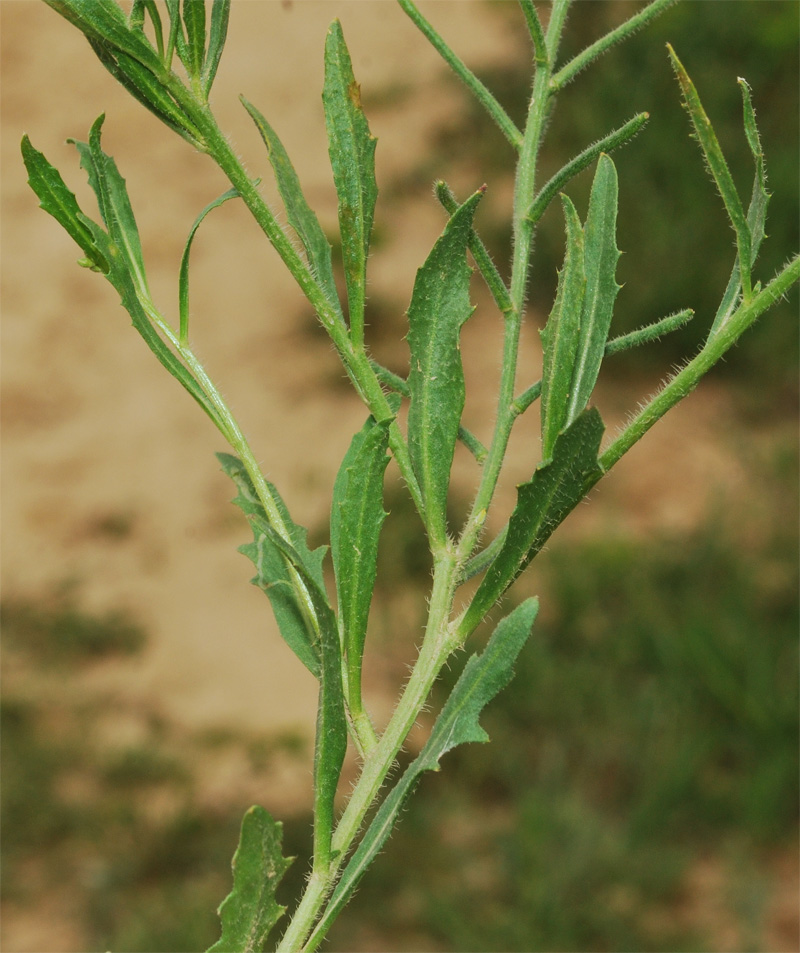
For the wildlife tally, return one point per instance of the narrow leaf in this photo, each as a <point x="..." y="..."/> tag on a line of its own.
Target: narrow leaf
<point x="560" y="336"/>
<point x="272" y="573"/>
<point x="104" y="20"/>
<point x="600" y="263"/>
<point x="300" y="215"/>
<point x="352" y="151"/>
<point x="218" y="31"/>
<point x="458" y="723"/>
<point x="148" y="90"/>
<point x="357" y="515"/>
<point x="194" y="18"/>
<point x="331" y="738"/>
<point x="56" y="199"/>
<point x="756" y="213"/>
<point x="113" y="202"/>
<point x="543" y="504"/>
<point x="250" y="910"/>
<point x="439" y="307"/>
<point x="183" y="276"/>
<point x="121" y="249"/>
<point x="718" y="169"/>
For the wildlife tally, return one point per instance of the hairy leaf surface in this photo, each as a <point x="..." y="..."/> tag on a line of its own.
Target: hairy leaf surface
<point x="57" y="199"/>
<point x="194" y="18"/>
<point x="439" y="307"/>
<point x="357" y="515"/>
<point x="272" y="573"/>
<point x="250" y="910"/>
<point x="352" y="150"/>
<point x="600" y="262"/>
<point x="561" y="334"/>
<point x="301" y="216"/>
<point x="483" y="677"/>
<point x="104" y="20"/>
<point x="543" y="503"/>
<point x="217" y="33"/>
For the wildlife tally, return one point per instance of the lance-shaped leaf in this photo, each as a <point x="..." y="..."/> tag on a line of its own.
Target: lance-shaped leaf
<point x="458" y="723"/>
<point x="352" y="151"/>
<point x="56" y="199"/>
<point x="315" y="641"/>
<point x="148" y="90"/>
<point x="756" y="212"/>
<point x="301" y="216"/>
<point x="250" y="910"/>
<point x="272" y="572"/>
<point x="561" y="334"/>
<point x="122" y="266"/>
<point x="194" y="18"/>
<point x="331" y="737"/>
<point x="718" y="168"/>
<point x="357" y="515"/>
<point x="439" y="307"/>
<point x="113" y="202"/>
<point x="104" y="20"/>
<point x="543" y="503"/>
<point x="183" y="274"/>
<point x="217" y="33"/>
<point x="600" y="263"/>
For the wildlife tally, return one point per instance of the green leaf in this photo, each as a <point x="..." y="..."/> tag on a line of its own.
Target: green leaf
<point x="272" y="573"/>
<point x="756" y="213"/>
<point x="183" y="276"/>
<point x="121" y="249"/>
<point x="136" y="20"/>
<point x="218" y="31"/>
<point x="148" y="90"/>
<point x="483" y="677"/>
<point x="543" y="503"/>
<point x="194" y="18"/>
<point x="352" y="151"/>
<point x="718" y="168"/>
<point x="56" y="199"/>
<point x="561" y="334"/>
<point x="331" y="739"/>
<point x="250" y="910"/>
<point x="357" y="515"/>
<point x="104" y="20"/>
<point x="300" y="215"/>
<point x="114" y="203"/>
<point x="600" y="263"/>
<point x="439" y="307"/>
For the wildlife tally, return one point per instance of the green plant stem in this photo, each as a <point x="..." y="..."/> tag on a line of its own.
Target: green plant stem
<point x="355" y="360"/>
<point x="689" y="376"/>
<point x="568" y="72"/>
<point x="523" y="230"/>
<point x="436" y="648"/>
<point x="476" y="87"/>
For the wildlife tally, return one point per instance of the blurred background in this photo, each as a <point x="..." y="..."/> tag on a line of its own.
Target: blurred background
<point x="641" y="788"/>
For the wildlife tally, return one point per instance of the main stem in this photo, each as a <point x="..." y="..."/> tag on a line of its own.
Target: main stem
<point x="436" y="647"/>
<point x="523" y="230"/>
